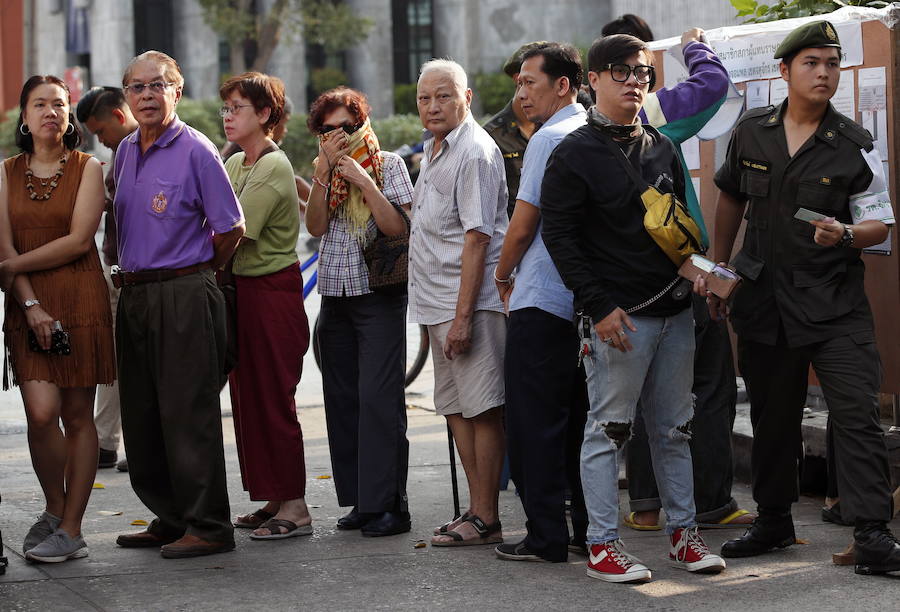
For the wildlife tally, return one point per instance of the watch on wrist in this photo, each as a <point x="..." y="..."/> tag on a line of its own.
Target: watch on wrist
<point x="29" y="303"/>
<point x="847" y="237"/>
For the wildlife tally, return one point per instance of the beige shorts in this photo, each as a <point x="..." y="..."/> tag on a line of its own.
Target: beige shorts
<point x="471" y="383"/>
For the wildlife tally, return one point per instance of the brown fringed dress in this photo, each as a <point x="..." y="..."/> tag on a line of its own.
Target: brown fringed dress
<point x="74" y="294"/>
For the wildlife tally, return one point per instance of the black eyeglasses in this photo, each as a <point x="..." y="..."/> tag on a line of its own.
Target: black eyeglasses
<point x="347" y="127"/>
<point x="621" y="72"/>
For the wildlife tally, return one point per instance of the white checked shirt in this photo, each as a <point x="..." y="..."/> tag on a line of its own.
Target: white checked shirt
<point x="462" y="189"/>
<point x="342" y="268"/>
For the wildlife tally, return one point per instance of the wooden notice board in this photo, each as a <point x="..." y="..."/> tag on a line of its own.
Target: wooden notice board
<point x="882" y="272"/>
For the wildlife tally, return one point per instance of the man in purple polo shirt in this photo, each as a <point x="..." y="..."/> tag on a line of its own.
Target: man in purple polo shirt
<point x="179" y="220"/>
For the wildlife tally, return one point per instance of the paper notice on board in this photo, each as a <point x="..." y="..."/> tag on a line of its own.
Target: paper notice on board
<point x="757" y="94"/>
<point x="876" y="123"/>
<point x="844" y="98"/>
<point x="690" y="148"/>
<point x="695" y="181"/>
<point x="872" y="89"/>
<point x="778" y="92"/>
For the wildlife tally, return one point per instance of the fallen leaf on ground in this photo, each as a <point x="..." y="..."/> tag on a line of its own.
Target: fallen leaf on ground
<point x="109" y="512"/>
<point x="99" y="485"/>
<point x="801" y="541"/>
<point x="139" y="522"/>
<point x="420" y="544"/>
<point x="323" y="477"/>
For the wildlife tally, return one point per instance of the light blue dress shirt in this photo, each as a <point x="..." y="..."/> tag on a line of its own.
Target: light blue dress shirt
<point x="538" y="284"/>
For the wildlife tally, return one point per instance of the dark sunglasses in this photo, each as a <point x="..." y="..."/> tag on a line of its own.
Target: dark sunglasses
<point x="346" y="127"/>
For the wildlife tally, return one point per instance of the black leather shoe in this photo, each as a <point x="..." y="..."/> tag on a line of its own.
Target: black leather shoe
<point x="388" y="523"/>
<point x="354" y="519"/>
<point x="877" y="550"/>
<point x="770" y="530"/>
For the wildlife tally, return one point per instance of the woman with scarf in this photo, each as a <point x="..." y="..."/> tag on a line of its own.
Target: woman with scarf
<point x="358" y="192"/>
<point x="272" y="330"/>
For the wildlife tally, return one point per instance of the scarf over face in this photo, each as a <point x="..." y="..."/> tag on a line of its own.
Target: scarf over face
<point x="346" y="200"/>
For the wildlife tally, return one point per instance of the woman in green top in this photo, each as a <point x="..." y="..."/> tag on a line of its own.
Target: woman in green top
<point x="272" y="329"/>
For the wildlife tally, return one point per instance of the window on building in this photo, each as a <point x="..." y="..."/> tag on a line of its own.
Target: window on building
<point x="413" y="37"/>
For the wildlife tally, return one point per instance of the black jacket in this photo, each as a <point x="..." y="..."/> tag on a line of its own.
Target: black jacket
<point x="593" y="221"/>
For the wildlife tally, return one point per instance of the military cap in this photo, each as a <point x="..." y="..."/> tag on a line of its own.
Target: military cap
<point x="514" y="63"/>
<point x="815" y="34"/>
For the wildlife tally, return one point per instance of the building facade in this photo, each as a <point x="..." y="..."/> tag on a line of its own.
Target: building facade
<point x="101" y="36"/>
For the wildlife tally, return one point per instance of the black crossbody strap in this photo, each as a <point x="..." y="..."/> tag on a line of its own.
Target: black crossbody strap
<point x="619" y="154"/>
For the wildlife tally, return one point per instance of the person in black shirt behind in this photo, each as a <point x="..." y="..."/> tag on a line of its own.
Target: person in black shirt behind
<point x="641" y="337"/>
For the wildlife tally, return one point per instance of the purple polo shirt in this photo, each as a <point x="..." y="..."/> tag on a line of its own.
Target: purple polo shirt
<point x="171" y="199"/>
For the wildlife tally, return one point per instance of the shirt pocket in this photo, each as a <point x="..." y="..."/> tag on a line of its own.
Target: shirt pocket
<point x="820" y="291"/>
<point x="755" y="184"/>
<point x="164" y="199"/>
<point x="829" y="199"/>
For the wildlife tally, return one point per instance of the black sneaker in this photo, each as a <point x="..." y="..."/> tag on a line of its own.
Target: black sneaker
<point x="579" y="547"/>
<point x="833" y="515"/>
<point x="515" y="552"/>
<point x="876" y="549"/>
<point x="106" y="458"/>
<point x="122" y="465"/>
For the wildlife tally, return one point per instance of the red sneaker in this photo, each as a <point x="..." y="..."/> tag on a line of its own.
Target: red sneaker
<point x="689" y="551"/>
<point x="610" y="562"/>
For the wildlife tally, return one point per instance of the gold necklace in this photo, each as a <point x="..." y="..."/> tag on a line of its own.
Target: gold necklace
<point x="53" y="181"/>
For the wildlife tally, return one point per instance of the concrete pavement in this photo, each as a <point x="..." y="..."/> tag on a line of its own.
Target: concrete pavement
<point x="336" y="570"/>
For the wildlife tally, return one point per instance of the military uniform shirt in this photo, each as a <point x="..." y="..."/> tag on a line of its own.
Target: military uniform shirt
<point x="813" y="292"/>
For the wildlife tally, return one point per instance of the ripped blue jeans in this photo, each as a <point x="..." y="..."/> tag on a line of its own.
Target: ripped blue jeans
<point x="659" y="371"/>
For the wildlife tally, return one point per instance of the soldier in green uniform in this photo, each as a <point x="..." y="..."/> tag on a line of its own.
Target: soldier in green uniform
<point x="511" y="129"/>
<point x="803" y="298"/>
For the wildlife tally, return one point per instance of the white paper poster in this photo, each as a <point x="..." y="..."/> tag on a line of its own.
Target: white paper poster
<point x="757" y="94"/>
<point x="779" y="91"/>
<point x="876" y="123"/>
<point x="690" y="148"/>
<point x="872" y="88"/>
<point x="750" y="57"/>
<point x="844" y="100"/>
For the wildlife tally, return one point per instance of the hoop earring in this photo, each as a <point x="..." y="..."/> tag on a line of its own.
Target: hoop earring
<point x="22" y="129"/>
<point x="70" y="130"/>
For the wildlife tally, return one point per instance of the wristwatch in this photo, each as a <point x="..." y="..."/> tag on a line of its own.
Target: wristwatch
<point x="29" y="303"/>
<point x="847" y="237"/>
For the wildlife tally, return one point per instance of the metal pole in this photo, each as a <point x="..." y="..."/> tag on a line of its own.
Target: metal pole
<point x="453" y="481"/>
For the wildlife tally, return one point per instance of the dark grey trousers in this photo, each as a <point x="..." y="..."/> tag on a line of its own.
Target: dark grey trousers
<point x="362" y="343"/>
<point x="170" y="342"/>
<point x="849" y="370"/>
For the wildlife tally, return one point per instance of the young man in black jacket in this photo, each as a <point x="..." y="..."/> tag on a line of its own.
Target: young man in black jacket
<point x="640" y="336"/>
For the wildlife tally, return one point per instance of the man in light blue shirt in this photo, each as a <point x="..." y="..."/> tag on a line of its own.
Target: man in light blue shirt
<point x="546" y="400"/>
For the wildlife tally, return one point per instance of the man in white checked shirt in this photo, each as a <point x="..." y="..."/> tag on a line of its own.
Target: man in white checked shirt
<point x="458" y="225"/>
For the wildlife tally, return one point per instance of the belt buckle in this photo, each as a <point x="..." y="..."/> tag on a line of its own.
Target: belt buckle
<point x="118" y="276"/>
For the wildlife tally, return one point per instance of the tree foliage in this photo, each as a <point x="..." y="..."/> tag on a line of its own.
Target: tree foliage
<point x="332" y="25"/>
<point x="755" y="12"/>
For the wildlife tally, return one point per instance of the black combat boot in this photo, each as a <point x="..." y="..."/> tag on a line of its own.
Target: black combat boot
<point x="773" y="528"/>
<point x="877" y="550"/>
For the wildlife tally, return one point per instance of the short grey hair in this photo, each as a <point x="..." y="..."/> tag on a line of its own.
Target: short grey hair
<point x="448" y="67"/>
<point x="171" y="69"/>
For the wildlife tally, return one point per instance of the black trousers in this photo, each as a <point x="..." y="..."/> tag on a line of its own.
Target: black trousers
<point x="715" y="398"/>
<point x="849" y="370"/>
<point x="170" y="342"/>
<point x="546" y="409"/>
<point x="362" y="343"/>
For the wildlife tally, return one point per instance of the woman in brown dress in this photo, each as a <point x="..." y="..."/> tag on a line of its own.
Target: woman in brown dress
<point x="51" y="199"/>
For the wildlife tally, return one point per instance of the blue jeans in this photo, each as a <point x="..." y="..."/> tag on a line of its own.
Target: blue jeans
<point x="658" y="371"/>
